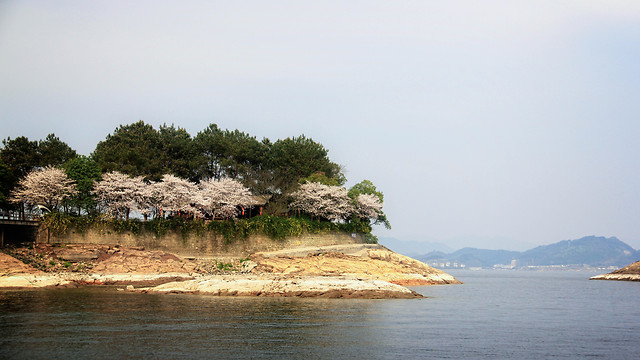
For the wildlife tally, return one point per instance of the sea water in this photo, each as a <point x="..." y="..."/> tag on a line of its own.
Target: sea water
<point x="493" y="315"/>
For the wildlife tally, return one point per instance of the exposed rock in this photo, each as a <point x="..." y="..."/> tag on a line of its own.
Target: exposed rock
<point x="76" y="254"/>
<point x="10" y="265"/>
<point x="366" y="261"/>
<point x="357" y="270"/>
<point x="299" y="286"/>
<point x="629" y="273"/>
<point x="32" y="281"/>
<point x="127" y="279"/>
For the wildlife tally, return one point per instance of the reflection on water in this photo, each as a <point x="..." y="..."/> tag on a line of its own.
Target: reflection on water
<point x="100" y="321"/>
<point x="493" y="315"/>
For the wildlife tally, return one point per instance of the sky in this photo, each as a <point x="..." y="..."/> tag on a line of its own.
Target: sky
<point x="490" y="124"/>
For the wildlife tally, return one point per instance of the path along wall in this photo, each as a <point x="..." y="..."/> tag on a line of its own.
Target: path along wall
<point x="199" y="246"/>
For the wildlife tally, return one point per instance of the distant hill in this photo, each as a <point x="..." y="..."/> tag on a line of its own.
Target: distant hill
<point x="413" y="248"/>
<point x="593" y="251"/>
<point x="590" y="250"/>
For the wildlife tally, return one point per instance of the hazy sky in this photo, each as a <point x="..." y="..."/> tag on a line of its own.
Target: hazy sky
<point x="494" y="124"/>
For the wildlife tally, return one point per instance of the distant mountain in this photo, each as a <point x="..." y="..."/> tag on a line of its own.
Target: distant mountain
<point x="594" y="251"/>
<point x="413" y="248"/>
<point x="590" y="250"/>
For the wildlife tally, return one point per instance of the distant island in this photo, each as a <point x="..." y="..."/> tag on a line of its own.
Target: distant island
<point x="586" y="252"/>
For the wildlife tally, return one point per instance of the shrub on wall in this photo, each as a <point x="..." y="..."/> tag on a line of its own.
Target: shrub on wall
<point x="275" y="227"/>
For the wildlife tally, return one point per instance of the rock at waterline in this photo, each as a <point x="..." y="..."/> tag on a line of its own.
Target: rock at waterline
<point x="629" y="273"/>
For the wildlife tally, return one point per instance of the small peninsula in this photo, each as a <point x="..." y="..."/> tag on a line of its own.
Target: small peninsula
<point x="220" y="213"/>
<point x="628" y="273"/>
<point x="338" y="271"/>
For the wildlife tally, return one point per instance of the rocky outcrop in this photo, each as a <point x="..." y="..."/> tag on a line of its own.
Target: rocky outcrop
<point x="275" y="286"/>
<point x="16" y="274"/>
<point x="11" y="266"/>
<point x="345" y="271"/>
<point x="366" y="261"/>
<point x="33" y="281"/>
<point x="629" y="273"/>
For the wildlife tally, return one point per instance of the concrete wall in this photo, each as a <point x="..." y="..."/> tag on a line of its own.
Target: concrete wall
<point x="207" y="245"/>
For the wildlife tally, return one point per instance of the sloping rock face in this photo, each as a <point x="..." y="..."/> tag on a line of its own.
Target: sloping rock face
<point x="298" y="286"/>
<point x="365" y="261"/>
<point x="103" y="259"/>
<point x="629" y="273"/>
<point x="11" y="266"/>
<point x="340" y="271"/>
<point x="16" y="274"/>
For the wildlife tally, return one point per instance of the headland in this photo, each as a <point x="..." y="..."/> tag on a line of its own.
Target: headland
<point x="335" y="271"/>
<point x="628" y="273"/>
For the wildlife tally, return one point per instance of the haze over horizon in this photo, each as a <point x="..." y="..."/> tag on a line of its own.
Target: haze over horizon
<point x="489" y="124"/>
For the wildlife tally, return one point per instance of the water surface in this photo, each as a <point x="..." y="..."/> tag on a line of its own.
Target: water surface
<point x="494" y="315"/>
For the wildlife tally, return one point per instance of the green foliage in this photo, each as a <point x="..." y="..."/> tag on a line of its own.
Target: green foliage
<point x="293" y="159"/>
<point x="20" y="155"/>
<point x="321" y="177"/>
<point x="83" y="223"/>
<point x="119" y="225"/>
<point x="7" y="183"/>
<point x="275" y="227"/>
<point x="57" y="223"/>
<point x="224" y="266"/>
<point x="178" y="151"/>
<point x="370" y="238"/>
<point x="232" y="154"/>
<point x="159" y="226"/>
<point x="230" y="229"/>
<point x="365" y="187"/>
<point x="52" y="151"/>
<point x="84" y="171"/>
<point x="299" y="157"/>
<point x="133" y="150"/>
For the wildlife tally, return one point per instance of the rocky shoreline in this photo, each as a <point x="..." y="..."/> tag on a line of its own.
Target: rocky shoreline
<point x="629" y="273"/>
<point x="277" y="286"/>
<point x="341" y="271"/>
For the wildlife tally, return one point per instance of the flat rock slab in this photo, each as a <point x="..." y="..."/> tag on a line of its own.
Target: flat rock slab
<point x="129" y="279"/>
<point x="303" y="286"/>
<point x="32" y="281"/>
<point x="618" y="277"/>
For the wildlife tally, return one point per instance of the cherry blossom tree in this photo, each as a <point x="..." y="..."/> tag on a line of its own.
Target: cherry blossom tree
<point x="120" y="194"/>
<point x="174" y="194"/>
<point x="368" y="206"/>
<point x="329" y="202"/>
<point x="153" y="197"/>
<point x="48" y="186"/>
<point x="224" y="198"/>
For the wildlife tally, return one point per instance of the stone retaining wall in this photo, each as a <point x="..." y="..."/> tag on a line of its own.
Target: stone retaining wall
<point x="207" y="245"/>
